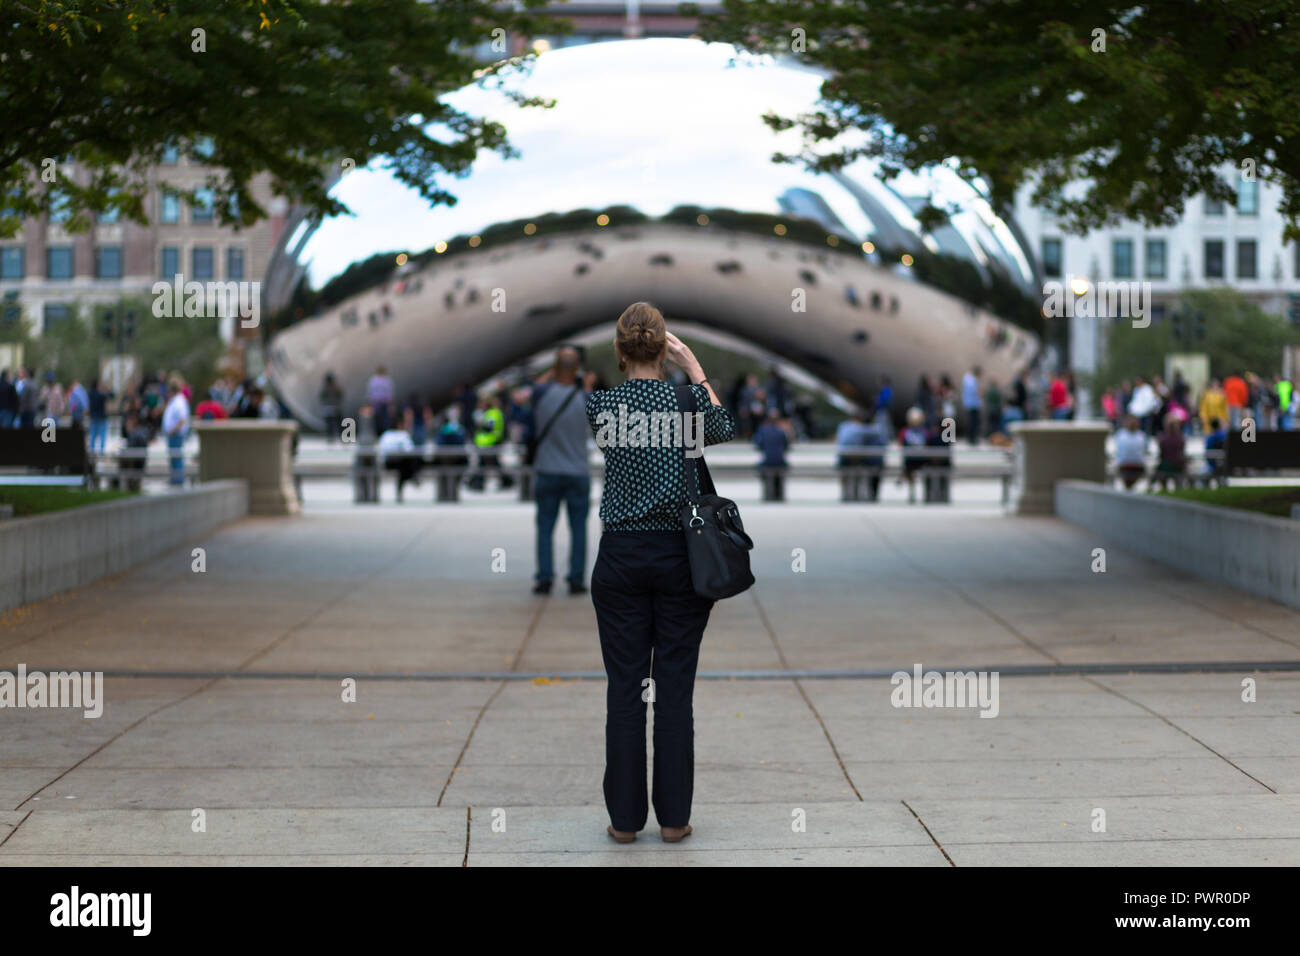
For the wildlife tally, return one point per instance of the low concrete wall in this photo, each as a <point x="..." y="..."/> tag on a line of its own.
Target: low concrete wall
<point x="45" y="554"/>
<point x="1253" y="552"/>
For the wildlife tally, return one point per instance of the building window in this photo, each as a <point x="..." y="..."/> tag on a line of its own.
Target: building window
<point x="60" y="208"/>
<point x="171" y="206"/>
<point x="108" y="262"/>
<point x="1155" y="259"/>
<point x="55" y="314"/>
<point x="235" y="264"/>
<point x="1121" y="258"/>
<point x="1213" y="207"/>
<point x="201" y="211"/>
<point x="171" y="155"/>
<point x="1213" y="259"/>
<point x="1248" y="197"/>
<point x="201" y="263"/>
<point x="171" y="262"/>
<point x="204" y="147"/>
<point x="1052" y="258"/>
<point x="1246" y="259"/>
<point x="12" y="263"/>
<point x="58" y="262"/>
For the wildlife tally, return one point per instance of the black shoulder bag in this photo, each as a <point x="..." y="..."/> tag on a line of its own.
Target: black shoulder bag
<point x="531" y="446"/>
<point x="715" y="538"/>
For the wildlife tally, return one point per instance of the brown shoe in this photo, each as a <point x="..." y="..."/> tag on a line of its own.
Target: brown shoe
<point x="620" y="835"/>
<point x="675" y="834"/>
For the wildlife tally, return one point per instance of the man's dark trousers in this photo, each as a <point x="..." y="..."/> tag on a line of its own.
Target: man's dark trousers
<point x="641" y="588"/>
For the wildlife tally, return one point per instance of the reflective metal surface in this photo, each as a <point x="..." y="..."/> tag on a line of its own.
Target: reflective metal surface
<point x="664" y="140"/>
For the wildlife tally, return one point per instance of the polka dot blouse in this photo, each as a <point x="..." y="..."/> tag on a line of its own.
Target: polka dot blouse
<point x="644" y="480"/>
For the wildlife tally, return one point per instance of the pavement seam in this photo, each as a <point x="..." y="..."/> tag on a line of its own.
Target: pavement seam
<point x="780" y="654"/>
<point x="881" y="673"/>
<point x="528" y="633"/>
<point x="110" y="579"/>
<point x="960" y="592"/>
<point x="464" y="747"/>
<point x="1175" y="575"/>
<point x="330" y="605"/>
<point x="1187" y="733"/>
<point x="117" y="736"/>
<point x="15" y="827"/>
<point x="469" y="817"/>
<point x="928" y="833"/>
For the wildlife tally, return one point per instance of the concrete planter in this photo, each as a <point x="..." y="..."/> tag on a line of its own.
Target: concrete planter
<point x="1052" y="451"/>
<point x="258" y="451"/>
<point x="1253" y="552"/>
<point x="46" y="554"/>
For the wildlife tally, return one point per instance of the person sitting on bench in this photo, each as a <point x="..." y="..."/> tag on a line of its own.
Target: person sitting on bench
<point x="130" y="466"/>
<point x="914" y="435"/>
<point x="1216" y="442"/>
<point x="398" y="454"/>
<point x="1173" y="459"/>
<point x="1131" y="452"/>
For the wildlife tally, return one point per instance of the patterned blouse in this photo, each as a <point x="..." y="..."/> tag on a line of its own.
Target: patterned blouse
<point x="644" y="475"/>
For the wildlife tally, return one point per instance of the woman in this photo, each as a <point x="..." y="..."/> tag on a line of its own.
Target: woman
<point x="650" y="620"/>
<point x="1172" y="466"/>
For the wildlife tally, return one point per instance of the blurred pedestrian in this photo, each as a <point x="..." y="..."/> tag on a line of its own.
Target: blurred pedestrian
<point x="175" y="426"/>
<point x="330" y="399"/>
<point x="563" y="474"/>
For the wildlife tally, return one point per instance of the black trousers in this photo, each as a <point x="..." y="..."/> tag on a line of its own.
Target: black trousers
<point x="641" y="588"/>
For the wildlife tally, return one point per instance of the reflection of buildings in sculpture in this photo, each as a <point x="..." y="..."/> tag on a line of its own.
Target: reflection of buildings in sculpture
<point x="700" y="221"/>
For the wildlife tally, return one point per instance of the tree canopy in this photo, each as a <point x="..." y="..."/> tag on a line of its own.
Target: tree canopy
<point x="1237" y="335"/>
<point x="1144" y="105"/>
<point x="301" y="90"/>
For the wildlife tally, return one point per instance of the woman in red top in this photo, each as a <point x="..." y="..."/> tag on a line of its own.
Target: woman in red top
<point x="1058" y="397"/>
<point x="209" y="409"/>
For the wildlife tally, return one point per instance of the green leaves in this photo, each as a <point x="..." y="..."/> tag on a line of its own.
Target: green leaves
<point x="279" y="88"/>
<point x="1019" y="93"/>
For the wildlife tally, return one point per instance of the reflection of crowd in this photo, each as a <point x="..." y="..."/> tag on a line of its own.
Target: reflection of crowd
<point x="754" y="404"/>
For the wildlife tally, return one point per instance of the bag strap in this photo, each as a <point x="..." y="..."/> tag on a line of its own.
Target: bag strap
<point x="558" y="412"/>
<point x="696" y="469"/>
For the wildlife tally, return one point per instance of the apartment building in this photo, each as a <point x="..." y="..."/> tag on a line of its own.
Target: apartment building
<point x="1214" y="244"/>
<point x="49" y="273"/>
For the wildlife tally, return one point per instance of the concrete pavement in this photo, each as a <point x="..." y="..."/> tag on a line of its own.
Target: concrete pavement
<point x="229" y="700"/>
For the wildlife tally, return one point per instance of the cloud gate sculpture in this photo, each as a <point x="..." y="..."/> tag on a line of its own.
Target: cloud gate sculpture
<point x="651" y="178"/>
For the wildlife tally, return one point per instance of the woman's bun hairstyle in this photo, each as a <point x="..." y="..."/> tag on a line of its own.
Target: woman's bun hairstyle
<point x="641" y="336"/>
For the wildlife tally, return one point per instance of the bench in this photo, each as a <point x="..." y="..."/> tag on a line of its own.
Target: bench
<point x="448" y="464"/>
<point x="63" y="461"/>
<point x="1272" y="452"/>
<point x="129" y="467"/>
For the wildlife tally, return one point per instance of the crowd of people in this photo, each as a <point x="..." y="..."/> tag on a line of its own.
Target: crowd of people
<point x="1146" y="412"/>
<point x="1270" y="401"/>
<point x="160" y="406"/>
